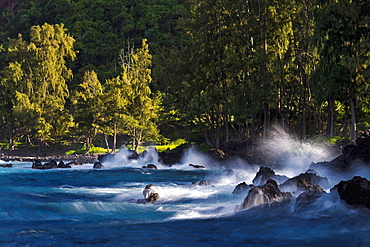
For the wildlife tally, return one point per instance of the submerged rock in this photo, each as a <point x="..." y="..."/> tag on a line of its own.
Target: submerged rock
<point x="266" y="173"/>
<point x="355" y="191"/>
<point x="6" y="165"/>
<point x="228" y="172"/>
<point x="268" y="193"/>
<point x="98" y="165"/>
<point x="206" y="183"/>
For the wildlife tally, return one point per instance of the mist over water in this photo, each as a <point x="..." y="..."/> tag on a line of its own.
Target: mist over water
<point x="83" y="206"/>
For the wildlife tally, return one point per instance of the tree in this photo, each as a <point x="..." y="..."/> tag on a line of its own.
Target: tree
<point x="42" y="91"/>
<point x="130" y="105"/>
<point x="87" y="107"/>
<point x="343" y="39"/>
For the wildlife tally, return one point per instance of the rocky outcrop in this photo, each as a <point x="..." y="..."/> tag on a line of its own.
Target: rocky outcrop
<point x="268" y="193"/>
<point x="354" y="154"/>
<point x="310" y="177"/>
<point x="173" y="156"/>
<point x="355" y="192"/>
<point x="242" y="188"/>
<point x="309" y="195"/>
<point x="150" y="195"/>
<point x="47" y="165"/>
<point x="266" y="173"/>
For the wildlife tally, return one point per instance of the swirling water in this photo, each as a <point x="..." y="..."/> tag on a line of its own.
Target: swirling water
<point x="86" y="207"/>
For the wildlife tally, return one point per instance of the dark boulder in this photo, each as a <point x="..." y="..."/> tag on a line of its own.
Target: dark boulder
<point x="106" y="157"/>
<point x="355" y="191"/>
<point x="266" y="173"/>
<point x="268" y="193"/>
<point x="241" y="188"/>
<point x="132" y="155"/>
<point x="150" y="166"/>
<point x="310" y="177"/>
<point x="352" y="155"/>
<point x="51" y="164"/>
<point x="174" y="156"/>
<point x="48" y="165"/>
<point x="62" y="165"/>
<point x="197" y="166"/>
<point x="98" y="165"/>
<point x="37" y="165"/>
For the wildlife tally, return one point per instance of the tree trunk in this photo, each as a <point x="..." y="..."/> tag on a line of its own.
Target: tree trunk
<point x="266" y="119"/>
<point x="88" y="144"/>
<point x="353" y="120"/>
<point x="106" y="142"/>
<point x="114" y="138"/>
<point x="330" y="125"/>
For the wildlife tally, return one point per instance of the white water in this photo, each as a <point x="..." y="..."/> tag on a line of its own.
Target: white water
<point x="82" y="206"/>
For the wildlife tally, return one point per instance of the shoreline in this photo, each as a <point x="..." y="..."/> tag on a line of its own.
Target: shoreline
<point x="78" y="158"/>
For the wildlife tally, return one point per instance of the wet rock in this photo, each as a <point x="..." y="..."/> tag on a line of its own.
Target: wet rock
<point x="133" y="155"/>
<point x="310" y="193"/>
<point x="62" y="165"/>
<point x="150" y="195"/>
<point x="305" y="199"/>
<point x="48" y="165"/>
<point x="74" y="163"/>
<point x="205" y="183"/>
<point x="193" y="184"/>
<point x="98" y="165"/>
<point x="105" y="157"/>
<point x="310" y="178"/>
<point x="355" y="191"/>
<point x="51" y="164"/>
<point x="6" y="165"/>
<point x="352" y="155"/>
<point x="308" y="188"/>
<point x="150" y="166"/>
<point x="197" y="166"/>
<point x="37" y="165"/>
<point x="241" y="188"/>
<point x="268" y="193"/>
<point x="266" y="173"/>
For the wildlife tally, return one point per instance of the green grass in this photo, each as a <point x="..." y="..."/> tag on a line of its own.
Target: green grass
<point x="93" y="150"/>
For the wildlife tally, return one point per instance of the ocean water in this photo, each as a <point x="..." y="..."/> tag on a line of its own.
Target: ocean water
<point x="86" y="207"/>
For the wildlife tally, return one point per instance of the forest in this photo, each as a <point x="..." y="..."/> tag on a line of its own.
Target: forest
<point x="124" y="72"/>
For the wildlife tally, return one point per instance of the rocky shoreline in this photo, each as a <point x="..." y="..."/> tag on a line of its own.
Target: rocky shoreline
<point x="77" y="158"/>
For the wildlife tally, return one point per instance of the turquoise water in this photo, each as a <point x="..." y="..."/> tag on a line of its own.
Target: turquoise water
<point x="85" y="207"/>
